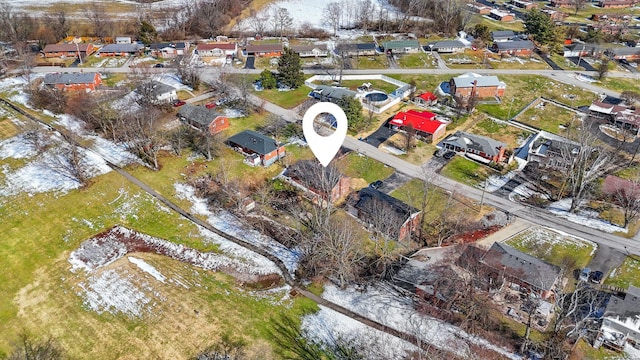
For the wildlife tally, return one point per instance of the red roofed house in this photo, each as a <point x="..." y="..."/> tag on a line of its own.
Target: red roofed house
<point x="424" y="122"/>
<point x="68" y="50"/>
<point x="425" y="99"/>
<point x="217" y="49"/>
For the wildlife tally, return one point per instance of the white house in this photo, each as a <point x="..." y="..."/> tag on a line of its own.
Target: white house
<point x="621" y="321"/>
<point x="123" y="40"/>
<point x="157" y="92"/>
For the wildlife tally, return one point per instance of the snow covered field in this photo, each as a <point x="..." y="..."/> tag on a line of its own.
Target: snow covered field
<point x="587" y="218"/>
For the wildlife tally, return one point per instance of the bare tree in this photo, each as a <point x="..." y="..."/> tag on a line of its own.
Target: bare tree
<point x="409" y="138"/>
<point x="602" y="68"/>
<point x="578" y="5"/>
<point x="188" y="71"/>
<point x="227" y="348"/>
<point x="258" y="22"/>
<point x="58" y="22"/>
<point x="282" y="21"/>
<point x="331" y="15"/>
<point x="36" y="135"/>
<point x="69" y="160"/>
<point x="364" y="13"/>
<point x="138" y="131"/>
<point x="28" y="348"/>
<point x="628" y="198"/>
<point x="103" y="25"/>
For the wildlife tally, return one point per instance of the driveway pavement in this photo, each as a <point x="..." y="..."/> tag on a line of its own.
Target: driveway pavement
<point x="393" y="182"/>
<point x="582" y="63"/>
<point x="381" y="135"/>
<point x="250" y="64"/>
<point x="606" y="259"/>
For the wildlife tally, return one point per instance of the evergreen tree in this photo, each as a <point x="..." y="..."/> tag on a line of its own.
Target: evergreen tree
<point x="267" y="79"/>
<point x="540" y="27"/>
<point x="353" y="109"/>
<point x="290" y="69"/>
<point x="147" y="33"/>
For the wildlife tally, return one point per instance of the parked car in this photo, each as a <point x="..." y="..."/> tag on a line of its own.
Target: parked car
<point x="211" y="105"/>
<point x="596" y="277"/>
<point x="158" y="65"/>
<point x="584" y="274"/>
<point x="178" y="103"/>
<point x="624" y="61"/>
<point x="449" y="155"/>
<point x="376" y="184"/>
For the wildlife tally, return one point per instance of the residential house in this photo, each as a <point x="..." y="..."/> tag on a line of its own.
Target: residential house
<point x="356" y="49"/>
<point x="628" y="53"/>
<point x="620" y="116"/>
<point x="257" y="148"/>
<point x="319" y="183"/>
<point x="168" y="50"/>
<point x="446" y="46"/>
<point x="425" y="99"/>
<point x="88" y="81"/>
<point x="473" y="85"/>
<point x="562" y="3"/>
<point x="217" y="50"/>
<point x="505" y="263"/>
<point x="475" y="146"/>
<point x="331" y="93"/>
<point x="424" y="123"/>
<point x="479" y="8"/>
<point x="267" y="50"/>
<point x="612" y="18"/>
<point x="502" y="35"/>
<point x="202" y="118"/>
<point x="580" y="49"/>
<point x="526" y="5"/>
<point x="401" y="46"/>
<point x="551" y="151"/>
<point x="609" y="28"/>
<point x="555" y="15"/>
<point x="515" y="48"/>
<point x="621" y="319"/>
<point x="123" y="40"/>
<point x="610" y="4"/>
<point x="311" y="50"/>
<point x="68" y="50"/>
<point x="157" y="92"/>
<point x="383" y="213"/>
<point x="501" y="15"/>
<point x="120" y="50"/>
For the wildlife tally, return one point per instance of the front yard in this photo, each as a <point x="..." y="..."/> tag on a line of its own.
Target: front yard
<point x="369" y="62"/>
<point x="466" y="171"/>
<point x="549" y="117"/>
<point x="627" y="274"/>
<point x="418" y="60"/>
<point x="356" y="166"/>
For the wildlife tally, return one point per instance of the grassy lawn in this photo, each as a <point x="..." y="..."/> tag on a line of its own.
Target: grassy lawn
<point x="113" y="79"/>
<point x="552" y="247"/>
<point x="355" y="165"/>
<point x="522" y="89"/>
<point x="584" y="351"/>
<point x="7" y="127"/>
<point x="419" y="154"/>
<point x="370" y="62"/>
<point x="620" y="84"/>
<point x="548" y="117"/>
<point x="564" y="63"/>
<point x="376" y="84"/>
<point x="286" y="99"/>
<point x="532" y="63"/>
<point x="499" y="25"/>
<point x="466" y="171"/>
<point x="264" y="63"/>
<point x="509" y="135"/>
<point x="627" y="274"/>
<point x="468" y="58"/>
<point x="418" y="60"/>
<point x="423" y="82"/>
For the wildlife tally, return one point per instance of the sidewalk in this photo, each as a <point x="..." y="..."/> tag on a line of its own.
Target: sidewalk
<point x="519" y="225"/>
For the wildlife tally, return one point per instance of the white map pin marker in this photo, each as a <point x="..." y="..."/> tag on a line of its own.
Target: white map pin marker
<point x="324" y="147"/>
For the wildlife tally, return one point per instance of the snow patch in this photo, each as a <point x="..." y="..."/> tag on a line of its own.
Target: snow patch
<point x="113" y="292"/>
<point x="495" y="182"/>
<point x="149" y="269"/>
<point x="588" y="218"/>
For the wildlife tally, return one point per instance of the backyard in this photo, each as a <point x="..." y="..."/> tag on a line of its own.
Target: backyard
<point x="549" y="117"/>
<point x="501" y="131"/>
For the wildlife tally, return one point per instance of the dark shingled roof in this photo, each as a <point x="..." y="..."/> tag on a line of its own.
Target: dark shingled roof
<point x="502" y="34"/>
<point x="69" y="78"/>
<point x="198" y="114"/>
<point x="121" y="48"/>
<point x="66" y="47"/>
<point x="370" y="200"/>
<point x="522" y="266"/>
<point x="627" y="307"/>
<point x="475" y="142"/>
<point x="314" y="176"/>
<point x="335" y="93"/>
<point x="515" y="45"/>
<point x="254" y="141"/>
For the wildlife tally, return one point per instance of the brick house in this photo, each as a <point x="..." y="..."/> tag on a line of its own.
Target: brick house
<point x="522" y="4"/>
<point x="480" y="147"/>
<point x="479" y="8"/>
<point x="202" y="118"/>
<point x="470" y="84"/>
<point x="628" y="53"/>
<point x="319" y="183"/>
<point x="501" y="15"/>
<point x="73" y="81"/>
<point x="68" y="50"/>
<point x="522" y="48"/>
<point x="611" y="4"/>
<point x="383" y="213"/>
<point x="555" y="15"/>
<point x="562" y="3"/>
<point x="120" y="50"/>
<point x="425" y="124"/>
<point x="217" y="49"/>
<point x="266" y="50"/>
<point x="257" y="148"/>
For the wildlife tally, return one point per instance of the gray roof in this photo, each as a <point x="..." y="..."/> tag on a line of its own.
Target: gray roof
<point x="624" y="51"/>
<point x="254" y="141"/>
<point x="335" y="93"/>
<point x="522" y="266"/>
<point x="299" y="48"/>
<point x="155" y="88"/>
<point x="120" y="48"/>
<point x="626" y="307"/>
<point x="69" y="78"/>
<point x="447" y="44"/>
<point x="475" y="142"/>
<point x="467" y="79"/>
<point x="502" y="34"/>
<point x="312" y="175"/>
<point x="198" y="114"/>
<point x="515" y="45"/>
<point x="400" y="44"/>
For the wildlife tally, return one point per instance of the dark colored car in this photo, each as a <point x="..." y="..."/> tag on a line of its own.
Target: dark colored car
<point x="624" y="61"/>
<point x="449" y="155"/>
<point x="178" y="103"/>
<point x="596" y="277"/>
<point x="158" y="65"/>
<point x="376" y="184"/>
<point x="211" y="105"/>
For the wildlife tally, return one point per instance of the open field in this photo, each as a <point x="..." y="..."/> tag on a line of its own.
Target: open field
<point x="553" y="247"/>
<point x="620" y="84"/>
<point x="499" y="25"/>
<point x="564" y="63"/>
<point x="508" y="134"/>
<point x="522" y="89"/>
<point x="548" y="117"/>
<point x="532" y="63"/>
<point x="369" y="62"/>
<point x="355" y="165"/>
<point x="418" y="60"/>
<point x="286" y="99"/>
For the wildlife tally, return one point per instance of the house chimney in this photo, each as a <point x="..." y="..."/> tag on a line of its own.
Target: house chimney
<point x="473" y="90"/>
